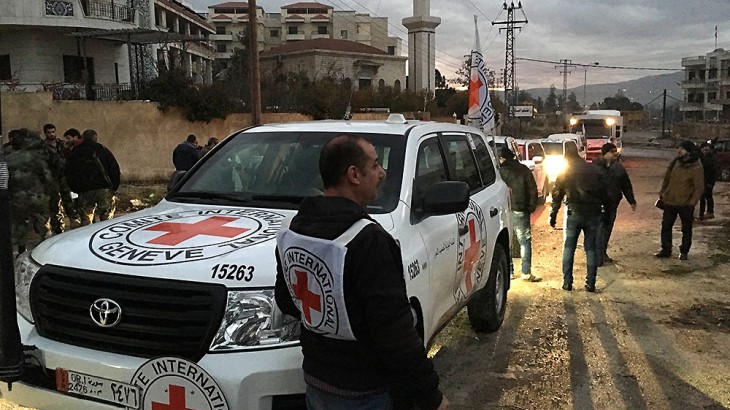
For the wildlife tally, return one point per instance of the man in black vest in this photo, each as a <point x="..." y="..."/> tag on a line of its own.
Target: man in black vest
<point x="369" y="352"/>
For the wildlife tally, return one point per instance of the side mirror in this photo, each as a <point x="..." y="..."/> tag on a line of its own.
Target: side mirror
<point x="448" y="197"/>
<point x="537" y="159"/>
<point x="176" y="177"/>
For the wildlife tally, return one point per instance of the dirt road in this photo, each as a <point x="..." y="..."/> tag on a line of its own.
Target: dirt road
<point x="655" y="335"/>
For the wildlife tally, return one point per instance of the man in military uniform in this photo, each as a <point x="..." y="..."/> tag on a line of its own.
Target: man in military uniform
<point x="61" y="193"/>
<point x="30" y="182"/>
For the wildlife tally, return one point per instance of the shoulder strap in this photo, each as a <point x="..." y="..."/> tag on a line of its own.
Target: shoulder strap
<point x="352" y="232"/>
<point x="102" y="170"/>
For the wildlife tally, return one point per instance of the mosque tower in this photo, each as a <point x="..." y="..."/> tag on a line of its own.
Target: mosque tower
<point x="421" y="46"/>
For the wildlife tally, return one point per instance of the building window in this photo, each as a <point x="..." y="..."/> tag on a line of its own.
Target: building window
<point x="321" y="29"/>
<point x="293" y="30"/>
<point x="343" y="34"/>
<point x="711" y="96"/>
<point x="396" y="86"/>
<point x="5" y="72"/>
<point x="364" y="83"/>
<point x="220" y="47"/>
<point x="381" y="85"/>
<point x="274" y="33"/>
<point x="220" y="30"/>
<point x="73" y="69"/>
<point x="391" y="50"/>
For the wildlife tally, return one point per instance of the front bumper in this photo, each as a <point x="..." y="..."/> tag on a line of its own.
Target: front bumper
<point x="268" y="379"/>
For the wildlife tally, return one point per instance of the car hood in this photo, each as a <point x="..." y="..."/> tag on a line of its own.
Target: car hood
<point x="189" y="242"/>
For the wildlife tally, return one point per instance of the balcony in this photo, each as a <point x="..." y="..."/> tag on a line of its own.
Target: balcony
<point x="295" y="37"/>
<point x="221" y="37"/>
<point x="223" y="55"/>
<point x="693" y="83"/>
<point x="315" y="35"/>
<point x="693" y="61"/>
<point x="690" y="106"/>
<point x="108" y="11"/>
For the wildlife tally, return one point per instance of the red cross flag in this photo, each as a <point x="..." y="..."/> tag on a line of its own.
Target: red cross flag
<point x="480" y="106"/>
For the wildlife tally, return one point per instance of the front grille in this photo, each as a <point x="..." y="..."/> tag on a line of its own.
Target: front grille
<point x="160" y="317"/>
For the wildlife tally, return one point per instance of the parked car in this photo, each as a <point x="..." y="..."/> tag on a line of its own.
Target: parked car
<point x="722" y="154"/>
<point x="554" y="162"/>
<point x="176" y="302"/>
<point x="579" y="139"/>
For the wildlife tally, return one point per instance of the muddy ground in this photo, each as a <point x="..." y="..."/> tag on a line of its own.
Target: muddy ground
<point x="655" y="335"/>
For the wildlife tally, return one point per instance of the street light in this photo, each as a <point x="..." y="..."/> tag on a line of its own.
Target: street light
<point x="585" y="77"/>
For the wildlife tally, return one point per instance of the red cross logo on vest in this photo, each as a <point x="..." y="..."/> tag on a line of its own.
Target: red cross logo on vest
<point x="471" y="255"/>
<point x="177" y="233"/>
<point x="177" y="400"/>
<point x="310" y="300"/>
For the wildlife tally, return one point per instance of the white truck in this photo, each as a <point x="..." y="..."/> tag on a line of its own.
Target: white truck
<point x="599" y="127"/>
<point x="173" y="306"/>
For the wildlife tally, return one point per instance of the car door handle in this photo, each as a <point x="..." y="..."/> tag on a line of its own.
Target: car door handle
<point x="493" y="212"/>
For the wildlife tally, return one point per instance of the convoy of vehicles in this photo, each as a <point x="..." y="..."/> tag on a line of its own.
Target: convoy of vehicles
<point x="529" y="153"/>
<point x="174" y="304"/>
<point x="554" y="162"/>
<point x="599" y="127"/>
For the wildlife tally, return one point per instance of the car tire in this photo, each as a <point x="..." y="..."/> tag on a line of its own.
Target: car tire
<point x="487" y="307"/>
<point x="514" y="246"/>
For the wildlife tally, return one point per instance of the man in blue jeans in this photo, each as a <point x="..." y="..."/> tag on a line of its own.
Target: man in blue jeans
<point x="583" y="187"/>
<point x="523" y="190"/>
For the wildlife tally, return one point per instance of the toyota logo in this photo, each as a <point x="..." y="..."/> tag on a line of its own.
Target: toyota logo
<point x="105" y="312"/>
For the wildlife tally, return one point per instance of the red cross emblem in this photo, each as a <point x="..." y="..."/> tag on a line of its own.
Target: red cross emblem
<point x="176" y="399"/>
<point x="471" y="255"/>
<point x="177" y="233"/>
<point x="310" y="300"/>
<point x="474" y="87"/>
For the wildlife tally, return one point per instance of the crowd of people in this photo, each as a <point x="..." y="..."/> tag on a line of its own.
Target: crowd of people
<point x="45" y="172"/>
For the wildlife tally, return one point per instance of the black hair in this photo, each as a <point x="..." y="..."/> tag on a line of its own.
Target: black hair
<point x="72" y="132"/>
<point x="192" y="138"/>
<point x="337" y="155"/>
<point x="48" y="127"/>
<point x="89" y="135"/>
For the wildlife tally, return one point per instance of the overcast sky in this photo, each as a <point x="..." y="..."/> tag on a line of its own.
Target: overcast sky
<point x="626" y="33"/>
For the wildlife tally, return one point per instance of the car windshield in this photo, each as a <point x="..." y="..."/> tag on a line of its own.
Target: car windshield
<point x="279" y="169"/>
<point x="553" y="148"/>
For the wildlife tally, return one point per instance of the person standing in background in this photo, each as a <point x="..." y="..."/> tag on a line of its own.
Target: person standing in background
<point x="186" y="154"/>
<point x="712" y="172"/>
<point x="93" y="173"/>
<point x="682" y="187"/>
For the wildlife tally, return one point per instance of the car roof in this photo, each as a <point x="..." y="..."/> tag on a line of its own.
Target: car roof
<point x="364" y="127"/>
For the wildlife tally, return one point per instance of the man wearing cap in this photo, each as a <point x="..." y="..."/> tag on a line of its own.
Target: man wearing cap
<point x="619" y="186"/>
<point x="522" y="185"/>
<point x="681" y="189"/>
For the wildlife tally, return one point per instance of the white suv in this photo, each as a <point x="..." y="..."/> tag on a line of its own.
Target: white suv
<point x="174" y="305"/>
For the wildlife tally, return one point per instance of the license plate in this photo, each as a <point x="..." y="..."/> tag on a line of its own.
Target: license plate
<point x="98" y="388"/>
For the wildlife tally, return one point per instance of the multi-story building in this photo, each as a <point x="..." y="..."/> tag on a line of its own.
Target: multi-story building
<point x="99" y="49"/>
<point x="706" y="87"/>
<point x="297" y="22"/>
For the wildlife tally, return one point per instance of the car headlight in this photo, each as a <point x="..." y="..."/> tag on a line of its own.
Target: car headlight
<point x="252" y="320"/>
<point x="554" y="166"/>
<point x="25" y="270"/>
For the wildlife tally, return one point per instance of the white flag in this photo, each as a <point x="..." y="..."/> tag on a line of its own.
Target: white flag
<point x="480" y="105"/>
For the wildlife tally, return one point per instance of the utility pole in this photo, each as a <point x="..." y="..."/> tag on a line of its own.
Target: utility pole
<point x="509" y="56"/>
<point x="566" y="65"/>
<point x="664" y="110"/>
<point x="255" y="76"/>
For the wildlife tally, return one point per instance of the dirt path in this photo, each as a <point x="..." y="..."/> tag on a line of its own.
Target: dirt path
<point x="655" y="335"/>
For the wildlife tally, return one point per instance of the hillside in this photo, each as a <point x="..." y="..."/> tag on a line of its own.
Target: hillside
<point x="642" y="90"/>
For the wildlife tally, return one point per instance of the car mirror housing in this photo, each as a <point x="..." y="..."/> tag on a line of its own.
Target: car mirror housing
<point x="446" y="197"/>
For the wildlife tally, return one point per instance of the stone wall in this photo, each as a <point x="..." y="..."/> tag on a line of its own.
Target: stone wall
<point x="141" y="136"/>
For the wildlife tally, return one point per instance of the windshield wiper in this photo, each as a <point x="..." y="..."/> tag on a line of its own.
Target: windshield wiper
<point x="210" y="195"/>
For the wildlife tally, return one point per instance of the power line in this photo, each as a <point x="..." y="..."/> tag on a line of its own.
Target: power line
<point x="600" y="66"/>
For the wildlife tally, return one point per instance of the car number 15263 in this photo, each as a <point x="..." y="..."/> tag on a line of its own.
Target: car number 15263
<point x="240" y="273"/>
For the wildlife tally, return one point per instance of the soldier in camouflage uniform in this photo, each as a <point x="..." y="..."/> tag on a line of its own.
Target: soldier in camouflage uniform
<point x="56" y="151"/>
<point x="30" y="182"/>
<point x="93" y="173"/>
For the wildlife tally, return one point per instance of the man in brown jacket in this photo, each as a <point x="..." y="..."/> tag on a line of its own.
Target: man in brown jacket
<point x="682" y="188"/>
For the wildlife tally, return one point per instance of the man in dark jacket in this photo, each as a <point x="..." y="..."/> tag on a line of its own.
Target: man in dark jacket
<point x="583" y="187"/>
<point x="712" y="171"/>
<point x="619" y="186"/>
<point x="186" y="154"/>
<point x="523" y="190"/>
<point x="93" y="173"/>
<point x="341" y="274"/>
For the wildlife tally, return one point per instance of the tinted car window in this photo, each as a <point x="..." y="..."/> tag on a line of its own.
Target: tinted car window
<point x="283" y="167"/>
<point x="430" y="168"/>
<point x="535" y="150"/>
<point x="486" y="166"/>
<point x="553" y="148"/>
<point x="462" y="165"/>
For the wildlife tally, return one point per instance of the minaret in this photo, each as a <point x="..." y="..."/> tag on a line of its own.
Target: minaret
<point x="421" y="46"/>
